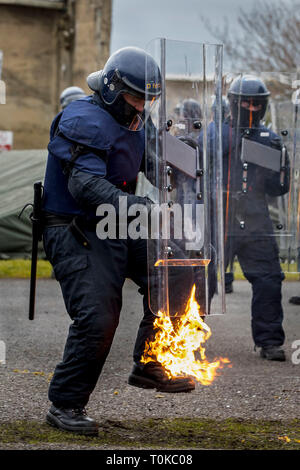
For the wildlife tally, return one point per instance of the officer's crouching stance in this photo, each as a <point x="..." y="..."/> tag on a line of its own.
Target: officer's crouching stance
<point x="96" y="147"/>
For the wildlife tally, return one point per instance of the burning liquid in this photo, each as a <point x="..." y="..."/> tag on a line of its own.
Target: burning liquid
<point x="177" y="345"/>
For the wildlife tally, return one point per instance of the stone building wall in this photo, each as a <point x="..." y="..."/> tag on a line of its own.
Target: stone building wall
<point x="47" y="46"/>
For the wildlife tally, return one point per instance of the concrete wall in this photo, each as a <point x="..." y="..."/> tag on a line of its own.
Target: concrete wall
<point x="45" y="49"/>
<point x="28" y="42"/>
<point x="92" y="38"/>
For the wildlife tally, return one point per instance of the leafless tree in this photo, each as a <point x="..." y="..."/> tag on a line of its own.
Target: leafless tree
<point x="269" y="37"/>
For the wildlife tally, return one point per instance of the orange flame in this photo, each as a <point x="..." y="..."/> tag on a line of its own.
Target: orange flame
<point x="178" y="342"/>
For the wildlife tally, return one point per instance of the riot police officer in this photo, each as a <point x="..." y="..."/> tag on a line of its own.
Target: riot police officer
<point x="248" y="226"/>
<point x="94" y="156"/>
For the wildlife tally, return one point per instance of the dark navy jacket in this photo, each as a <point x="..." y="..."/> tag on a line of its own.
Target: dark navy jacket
<point x="87" y="123"/>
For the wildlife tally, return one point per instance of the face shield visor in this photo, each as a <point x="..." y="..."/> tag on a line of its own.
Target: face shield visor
<point x="138" y="109"/>
<point x="130" y="105"/>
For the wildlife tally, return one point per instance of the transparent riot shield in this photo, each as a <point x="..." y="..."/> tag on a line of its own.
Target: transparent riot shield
<point x="261" y="171"/>
<point x="184" y="180"/>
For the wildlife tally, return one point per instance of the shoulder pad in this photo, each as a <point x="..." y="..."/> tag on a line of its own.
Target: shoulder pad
<point x="269" y="137"/>
<point x="269" y="131"/>
<point x="88" y="124"/>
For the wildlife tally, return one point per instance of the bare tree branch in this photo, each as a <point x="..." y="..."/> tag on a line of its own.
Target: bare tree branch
<point x="269" y="37"/>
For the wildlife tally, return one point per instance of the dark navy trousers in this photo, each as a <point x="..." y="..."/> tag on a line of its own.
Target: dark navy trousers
<point x="259" y="260"/>
<point x="91" y="281"/>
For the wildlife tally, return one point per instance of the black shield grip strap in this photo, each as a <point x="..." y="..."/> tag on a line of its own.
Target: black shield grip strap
<point x="78" y="233"/>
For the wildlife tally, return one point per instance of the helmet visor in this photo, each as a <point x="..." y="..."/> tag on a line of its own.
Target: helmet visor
<point x="137" y="109"/>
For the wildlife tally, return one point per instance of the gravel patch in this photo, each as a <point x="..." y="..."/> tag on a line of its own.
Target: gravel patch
<point x="250" y="388"/>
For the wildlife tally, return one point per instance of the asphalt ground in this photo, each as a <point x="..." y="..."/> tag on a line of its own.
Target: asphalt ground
<point x="251" y="388"/>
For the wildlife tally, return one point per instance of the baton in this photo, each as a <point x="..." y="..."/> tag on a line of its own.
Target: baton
<point x="36" y="237"/>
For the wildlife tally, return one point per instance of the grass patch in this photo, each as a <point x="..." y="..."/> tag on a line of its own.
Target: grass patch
<point x="289" y="276"/>
<point x="20" y="268"/>
<point x="176" y="433"/>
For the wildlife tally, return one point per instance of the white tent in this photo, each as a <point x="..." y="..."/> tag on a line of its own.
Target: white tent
<point x="20" y="169"/>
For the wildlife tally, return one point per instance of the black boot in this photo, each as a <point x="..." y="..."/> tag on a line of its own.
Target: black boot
<point x="273" y="353"/>
<point x="228" y="288"/>
<point x="152" y="375"/>
<point x="295" y="300"/>
<point x="72" y="419"/>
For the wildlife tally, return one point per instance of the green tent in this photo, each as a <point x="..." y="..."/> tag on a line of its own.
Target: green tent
<point x="20" y="169"/>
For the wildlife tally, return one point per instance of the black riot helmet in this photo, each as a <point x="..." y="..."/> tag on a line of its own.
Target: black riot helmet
<point x="70" y="94"/>
<point x="129" y="70"/>
<point x="248" y="98"/>
<point x="189" y="109"/>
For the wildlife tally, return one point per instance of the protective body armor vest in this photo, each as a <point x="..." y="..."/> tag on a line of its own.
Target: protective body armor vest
<point x="110" y="151"/>
<point x="232" y="156"/>
<point x="250" y="207"/>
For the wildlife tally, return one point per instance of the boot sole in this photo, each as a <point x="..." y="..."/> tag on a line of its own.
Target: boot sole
<point x="277" y="358"/>
<point x="55" y="422"/>
<point x="143" y="382"/>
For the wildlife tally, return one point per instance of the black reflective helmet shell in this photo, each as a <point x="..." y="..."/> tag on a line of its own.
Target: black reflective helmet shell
<point x="126" y="71"/>
<point x="252" y="89"/>
<point x="248" y="85"/>
<point x="189" y="109"/>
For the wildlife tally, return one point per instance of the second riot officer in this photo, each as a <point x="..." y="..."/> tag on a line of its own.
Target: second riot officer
<point x="248" y="226"/>
<point x="94" y="156"/>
